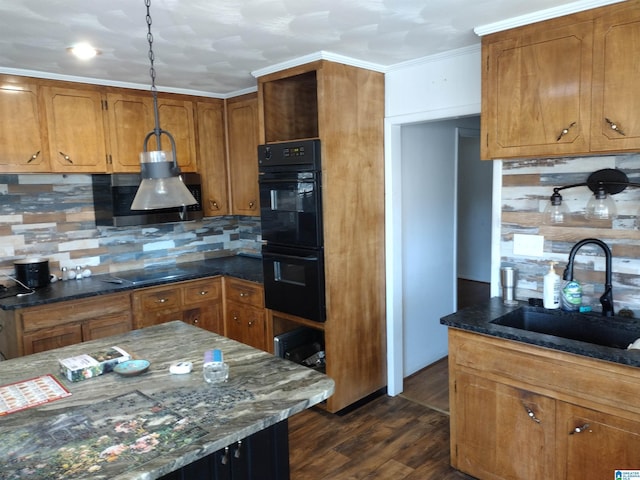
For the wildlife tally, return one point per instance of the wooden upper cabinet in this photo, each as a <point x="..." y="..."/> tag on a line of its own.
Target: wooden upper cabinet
<point x="536" y="91"/>
<point x="22" y="129"/>
<point x="616" y="97"/>
<point x="212" y="157"/>
<point x="76" y="130"/>
<point x="242" y="142"/>
<point x="176" y="117"/>
<point x="130" y="119"/>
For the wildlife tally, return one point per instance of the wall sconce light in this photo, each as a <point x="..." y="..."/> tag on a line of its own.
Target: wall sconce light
<point x="161" y="185"/>
<point x="603" y="183"/>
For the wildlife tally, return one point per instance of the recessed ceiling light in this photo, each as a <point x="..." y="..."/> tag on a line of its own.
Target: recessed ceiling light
<point x="83" y="51"/>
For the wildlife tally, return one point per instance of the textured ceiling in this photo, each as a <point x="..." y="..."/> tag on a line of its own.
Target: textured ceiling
<point x="212" y="46"/>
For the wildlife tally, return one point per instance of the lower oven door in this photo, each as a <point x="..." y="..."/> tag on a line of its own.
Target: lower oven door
<point x="294" y="281"/>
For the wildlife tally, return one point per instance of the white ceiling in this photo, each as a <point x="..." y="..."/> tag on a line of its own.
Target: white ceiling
<point x="212" y="46"/>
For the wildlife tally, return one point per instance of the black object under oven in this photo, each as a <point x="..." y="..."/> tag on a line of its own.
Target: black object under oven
<point x="291" y="217"/>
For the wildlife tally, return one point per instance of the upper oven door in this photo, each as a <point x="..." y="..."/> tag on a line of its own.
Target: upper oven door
<point x="290" y="208"/>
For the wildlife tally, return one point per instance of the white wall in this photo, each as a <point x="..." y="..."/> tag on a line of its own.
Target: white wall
<point x="439" y="87"/>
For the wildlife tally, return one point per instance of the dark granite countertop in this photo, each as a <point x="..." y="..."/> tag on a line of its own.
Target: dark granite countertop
<point x="478" y="319"/>
<point x="239" y="266"/>
<point x="165" y="421"/>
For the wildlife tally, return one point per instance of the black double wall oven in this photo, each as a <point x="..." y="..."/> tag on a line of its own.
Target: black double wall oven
<point x="291" y="216"/>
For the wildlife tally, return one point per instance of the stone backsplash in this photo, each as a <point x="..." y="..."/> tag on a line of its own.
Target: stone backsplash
<point x="52" y="216"/>
<point x="526" y="187"/>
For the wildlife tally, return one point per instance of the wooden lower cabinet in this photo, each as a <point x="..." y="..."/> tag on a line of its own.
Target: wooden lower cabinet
<point x="245" y="317"/>
<point x="52" y="326"/>
<point x="263" y="455"/>
<point x="198" y="302"/>
<point x="523" y="412"/>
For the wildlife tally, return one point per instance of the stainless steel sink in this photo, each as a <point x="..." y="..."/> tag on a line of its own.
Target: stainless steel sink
<point x="614" y="332"/>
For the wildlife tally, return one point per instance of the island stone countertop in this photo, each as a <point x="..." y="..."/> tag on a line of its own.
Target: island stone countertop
<point x="478" y="319"/>
<point x="239" y="266"/>
<point x="68" y="433"/>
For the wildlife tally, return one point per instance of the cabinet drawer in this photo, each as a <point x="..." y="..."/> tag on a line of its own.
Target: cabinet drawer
<point x="51" y="315"/>
<point x="157" y="299"/>
<point x="241" y="291"/>
<point x="202" y="291"/>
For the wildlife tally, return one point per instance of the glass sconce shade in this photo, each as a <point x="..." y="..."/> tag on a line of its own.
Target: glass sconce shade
<point x="161" y="185"/>
<point x="601" y="206"/>
<point x="556" y="212"/>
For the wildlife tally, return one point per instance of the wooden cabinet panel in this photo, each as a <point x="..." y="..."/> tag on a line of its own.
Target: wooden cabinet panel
<point x="246" y="324"/>
<point x="76" y="130"/>
<point x="205" y="296"/>
<point x="106" y="326"/>
<point x="242" y="142"/>
<point x="536" y="84"/>
<point x="50" y="338"/>
<point x="176" y="117"/>
<point x="212" y="161"/>
<point x="22" y="128"/>
<point x="130" y="119"/>
<point x="604" y="443"/>
<point x="244" y="292"/>
<point x="503" y="432"/>
<point x="615" y="72"/>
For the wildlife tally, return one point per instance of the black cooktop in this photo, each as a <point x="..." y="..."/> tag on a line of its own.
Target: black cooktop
<point x="138" y="277"/>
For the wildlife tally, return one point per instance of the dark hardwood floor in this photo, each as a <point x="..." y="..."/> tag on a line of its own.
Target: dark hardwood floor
<point x="390" y="438"/>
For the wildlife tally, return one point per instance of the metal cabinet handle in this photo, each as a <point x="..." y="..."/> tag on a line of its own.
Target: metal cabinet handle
<point x="531" y="414"/>
<point x="204" y="292"/>
<point x="236" y="319"/>
<point x="251" y="322"/>
<point x="244" y="294"/>
<point x="580" y="429"/>
<point x="225" y="457"/>
<point x="33" y="157"/>
<point x="252" y="204"/>
<point x="66" y="157"/>
<point x="614" y="126"/>
<point x="565" y="131"/>
<point x="236" y="454"/>
<point x="214" y="204"/>
<point x="162" y="300"/>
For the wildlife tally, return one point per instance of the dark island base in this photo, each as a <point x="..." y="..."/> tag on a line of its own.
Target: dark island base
<point x="263" y="455"/>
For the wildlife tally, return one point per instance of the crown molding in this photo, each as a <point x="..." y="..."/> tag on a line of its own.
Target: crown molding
<point x="541" y="15"/>
<point x="321" y="55"/>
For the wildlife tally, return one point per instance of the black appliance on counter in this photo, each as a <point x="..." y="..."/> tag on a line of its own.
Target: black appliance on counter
<point x="291" y="216"/>
<point x="114" y="193"/>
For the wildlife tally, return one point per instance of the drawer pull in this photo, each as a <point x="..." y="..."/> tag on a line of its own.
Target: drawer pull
<point x="66" y="157"/>
<point x="565" y="131"/>
<point x="162" y="300"/>
<point x="33" y="157"/>
<point x="204" y="292"/>
<point x="532" y="414"/>
<point x="580" y="429"/>
<point x="614" y="126"/>
<point x="251" y="322"/>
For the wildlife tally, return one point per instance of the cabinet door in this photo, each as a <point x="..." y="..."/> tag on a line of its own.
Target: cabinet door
<point x="176" y="117"/>
<point x="212" y="159"/>
<point x="536" y="91"/>
<point x="242" y="140"/>
<point x="106" y="326"/>
<point x="54" y="337"/>
<point x="616" y="68"/>
<point x="602" y="444"/>
<point x="22" y="131"/>
<point x="76" y="130"/>
<point x="130" y="119"/>
<point x="502" y="432"/>
<point x="246" y="324"/>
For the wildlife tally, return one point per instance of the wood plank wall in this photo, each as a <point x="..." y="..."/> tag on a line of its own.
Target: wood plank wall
<point x="527" y="185"/>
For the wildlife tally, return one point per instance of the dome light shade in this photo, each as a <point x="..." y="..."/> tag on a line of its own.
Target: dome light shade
<point x="601" y="206"/>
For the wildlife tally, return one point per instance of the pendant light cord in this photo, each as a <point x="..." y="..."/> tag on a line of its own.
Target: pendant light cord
<point x="152" y="73"/>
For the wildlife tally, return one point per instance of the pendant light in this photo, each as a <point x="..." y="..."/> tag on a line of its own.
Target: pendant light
<point x="161" y="185"/>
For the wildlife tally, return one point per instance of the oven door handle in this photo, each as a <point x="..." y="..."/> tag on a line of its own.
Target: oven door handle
<point x="289" y="257"/>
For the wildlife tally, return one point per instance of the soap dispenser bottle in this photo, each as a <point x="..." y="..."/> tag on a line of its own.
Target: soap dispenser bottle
<point x="551" y="290"/>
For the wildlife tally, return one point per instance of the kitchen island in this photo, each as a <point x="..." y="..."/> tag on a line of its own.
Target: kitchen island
<point x="146" y="426"/>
